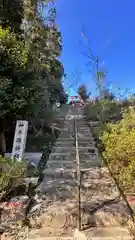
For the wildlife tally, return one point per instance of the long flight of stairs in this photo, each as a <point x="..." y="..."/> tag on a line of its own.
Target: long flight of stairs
<point x="103" y="210"/>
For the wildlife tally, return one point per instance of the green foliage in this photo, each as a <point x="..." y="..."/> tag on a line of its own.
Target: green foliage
<point x="100" y="74"/>
<point x="11" y="14"/>
<point x="30" y="72"/>
<point x="45" y="45"/>
<point x="11" y="175"/>
<point x="108" y="95"/>
<point x="110" y="111"/>
<point x="118" y="141"/>
<point x="15" y="93"/>
<point x="14" y="52"/>
<point x="103" y="110"/>
<point x="131" y="100"/>
<point x="82" y="91"/>
<point x="92" y="110"/>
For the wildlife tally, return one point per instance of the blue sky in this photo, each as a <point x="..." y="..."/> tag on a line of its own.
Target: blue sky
<point x="110" y="28"/>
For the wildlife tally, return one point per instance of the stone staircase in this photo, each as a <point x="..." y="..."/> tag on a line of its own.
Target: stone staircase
<point x="98" y="234"/>
<point x="103" y="210"/>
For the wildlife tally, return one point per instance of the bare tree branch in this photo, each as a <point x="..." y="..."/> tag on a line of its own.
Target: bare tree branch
<point x="95" y="65"/>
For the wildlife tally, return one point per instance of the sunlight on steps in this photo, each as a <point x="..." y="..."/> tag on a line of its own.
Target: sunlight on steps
<point x="103" y="210"/>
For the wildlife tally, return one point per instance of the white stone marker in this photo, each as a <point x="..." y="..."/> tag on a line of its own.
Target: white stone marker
<point x="20" y="140"/>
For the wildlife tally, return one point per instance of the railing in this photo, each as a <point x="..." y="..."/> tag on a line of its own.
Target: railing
<point x="78" y="174"/>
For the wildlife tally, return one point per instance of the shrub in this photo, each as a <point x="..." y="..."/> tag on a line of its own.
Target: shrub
<point x="119" y="149"/>
<point x="12" y="173"/>
<point x="92" y="111"/>
<point x="103" y="110"/>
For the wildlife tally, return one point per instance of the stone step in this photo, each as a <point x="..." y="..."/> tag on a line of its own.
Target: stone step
<point x="94" y="123"/>
<point x="67" y="134"/>
<point x="71" y="181"/>
<point x="59" y="163"/>
<point x="55" y="165"/>
<point x="65" y="139"/>
<point x="33" y="237"/>
<point x="68" y="128"/>
<point x="81" y="137"/>
<point x="70" y="165"/>
<point x="92" y="156"/>
<point x="88" y="202"/>
<point x="82" y="125"/>
<point x="61" y="154"/>
<point x="59" y="170"/>
<point x="70" y="176"/>
<point x="87" y="131"/>
<point x="93" y="171"/>
<point x="60" y="144"/>
<point x="61" y="118"/>
<point x="73" y="160"/>
<point x="84" y="128"/>
<point x="81" y="121"/>
<point x="49" y="182"/>
<point x="88" y="150"/>
<point x="80" y="140"/>
<point x="91" y="147"/>
<point x="66" y="149"/>
<point x="85" y="139"/>
<point x="86" y="143"/>
<point x="61" y="149"/>
<point x="110" y="233"/>
<point x="59" y="175"/>
<point x="59" y="157"/>
<point x="85" y="135"/>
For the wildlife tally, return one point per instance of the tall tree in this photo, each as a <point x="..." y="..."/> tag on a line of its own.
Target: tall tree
<point x="82" y="91"/>
<point x="30" y="70"/>
<point x="94" y="65"/>
<point x="45" y="43"/>
<point x="108" y="94"/>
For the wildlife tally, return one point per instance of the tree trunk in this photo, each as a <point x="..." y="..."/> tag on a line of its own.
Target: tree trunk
<point x="2" y="144"/>
<point x="2" y="139"/>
